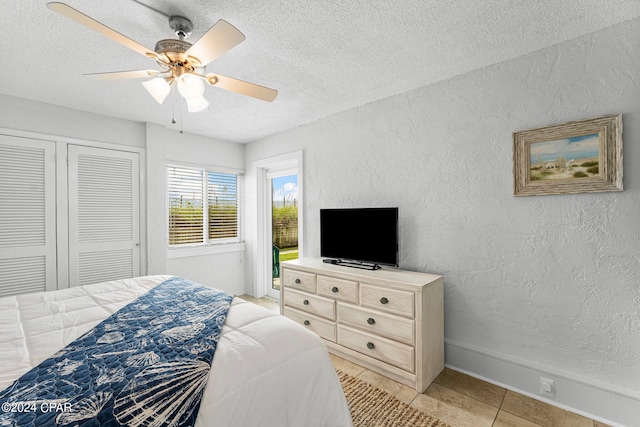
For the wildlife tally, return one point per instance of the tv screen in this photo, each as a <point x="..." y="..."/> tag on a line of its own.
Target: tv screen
<point x="361" y="234"/>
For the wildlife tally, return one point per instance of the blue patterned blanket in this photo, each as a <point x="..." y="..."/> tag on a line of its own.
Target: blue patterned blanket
<point x="146" y="365"/>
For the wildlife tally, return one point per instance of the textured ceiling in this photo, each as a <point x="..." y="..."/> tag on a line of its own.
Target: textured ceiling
<point x="322" y="56"/>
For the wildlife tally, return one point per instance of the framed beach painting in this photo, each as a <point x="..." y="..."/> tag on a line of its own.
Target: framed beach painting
<point x="576" y="157"/>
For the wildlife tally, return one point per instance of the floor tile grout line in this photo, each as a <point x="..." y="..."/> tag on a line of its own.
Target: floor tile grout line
<point x="521" y="417"/>
<point x="500" y="407"/>
<point x="476" y="400"/>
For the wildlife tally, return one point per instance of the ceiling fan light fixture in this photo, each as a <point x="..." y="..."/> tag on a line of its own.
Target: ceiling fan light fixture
<point x="190" y="86"/>
<point x="158" y="88"/>
<point x="180" y="61"/>
<point x="196" y="104"/>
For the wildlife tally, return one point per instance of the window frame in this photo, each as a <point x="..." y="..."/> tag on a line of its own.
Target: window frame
<point x="215" y="245"/>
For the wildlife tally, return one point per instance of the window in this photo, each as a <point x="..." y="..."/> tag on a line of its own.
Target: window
<point x="187" y="189"/>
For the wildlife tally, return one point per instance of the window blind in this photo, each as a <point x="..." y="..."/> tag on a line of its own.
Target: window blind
<point x="203" y="206"/>
<point x="223" y="205"/>
<point x="186" y="209"/>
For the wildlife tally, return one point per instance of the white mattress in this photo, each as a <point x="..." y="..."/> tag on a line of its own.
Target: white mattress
<point x="267" y="370"/>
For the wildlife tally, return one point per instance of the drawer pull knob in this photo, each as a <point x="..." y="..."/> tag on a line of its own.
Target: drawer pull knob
<point x="371" y="321"/>
<point x="370" y="345"/>
<point x="305" y="302"/>
<point x="297" y="281"/>
<point x="384" y="300"/>
<point x="306" y="323"/>
<point x="334" y="289"/>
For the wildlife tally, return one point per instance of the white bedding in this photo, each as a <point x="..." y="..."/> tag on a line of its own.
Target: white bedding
<point x="267" y="370"/>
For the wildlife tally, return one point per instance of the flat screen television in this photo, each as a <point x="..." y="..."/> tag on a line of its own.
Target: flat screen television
<point x="360" y="235"/>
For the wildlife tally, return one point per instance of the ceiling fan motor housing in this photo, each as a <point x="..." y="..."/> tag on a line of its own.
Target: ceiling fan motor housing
<point x="172" y="46"/>
<point x="174" y="49"/>
<point x="181" y="26"/>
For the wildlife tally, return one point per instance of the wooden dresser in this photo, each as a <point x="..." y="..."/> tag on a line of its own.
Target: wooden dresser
<point x="390" y="321"/>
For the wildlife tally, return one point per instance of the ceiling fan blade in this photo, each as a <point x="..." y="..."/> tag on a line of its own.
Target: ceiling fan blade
<point x="220" y="38"/>
<point x="91" y="23"/>
<point x="242" y="87"/>
<point x="122" y="75"/>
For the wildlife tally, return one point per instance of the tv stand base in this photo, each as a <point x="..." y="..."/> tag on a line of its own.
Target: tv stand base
<point x="351" y="263"/>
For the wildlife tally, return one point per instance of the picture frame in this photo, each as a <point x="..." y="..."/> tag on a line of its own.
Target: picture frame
<point x="575" y="157"/>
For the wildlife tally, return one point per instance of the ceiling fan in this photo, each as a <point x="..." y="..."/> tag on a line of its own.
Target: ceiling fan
<point x="181" y="62"/>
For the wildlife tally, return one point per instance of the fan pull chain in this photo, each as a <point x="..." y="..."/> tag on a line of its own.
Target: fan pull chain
<point x="173" y="106"/>
<point x="181" y="115"/>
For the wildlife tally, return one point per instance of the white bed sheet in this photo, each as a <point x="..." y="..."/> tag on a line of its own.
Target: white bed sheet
<point x="267" y="371"/>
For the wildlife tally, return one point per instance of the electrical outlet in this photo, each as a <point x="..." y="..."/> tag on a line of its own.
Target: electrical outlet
<point x="547" y="387"/>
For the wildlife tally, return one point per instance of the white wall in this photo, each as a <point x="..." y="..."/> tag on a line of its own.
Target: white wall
<point x="550" y="282"/>
<point x="222" y="269"/>
<point x="23" y="114"/>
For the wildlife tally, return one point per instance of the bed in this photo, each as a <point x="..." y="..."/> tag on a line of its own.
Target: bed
<point x="267" y="370"/>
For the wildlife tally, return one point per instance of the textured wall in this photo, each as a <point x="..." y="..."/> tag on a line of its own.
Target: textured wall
<point x="34" y="116"/>
<point x="223" y="270"/>
<point x="552" y="280"/>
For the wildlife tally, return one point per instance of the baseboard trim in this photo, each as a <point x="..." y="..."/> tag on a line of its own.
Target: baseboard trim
<point x="602" y="402"/>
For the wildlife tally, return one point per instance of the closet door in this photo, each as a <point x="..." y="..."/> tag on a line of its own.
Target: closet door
<point x="27" y="215"/>
<point x="104" y="215"/>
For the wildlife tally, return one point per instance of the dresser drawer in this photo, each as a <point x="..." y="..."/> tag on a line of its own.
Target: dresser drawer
<point x="391" y="352"/>
<point x="299" y="280"/>
<point x="375" y="322"/>
<point x="325" y="328"/>
<point x="345" y="290"/>
<point x="389" y="300"/>
<point x="323" y="307"/>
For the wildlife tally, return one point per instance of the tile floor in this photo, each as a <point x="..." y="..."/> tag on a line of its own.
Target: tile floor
<point x="267" y="302"/>
<point x="464" y="401"/>
<point x="461" y="400"/>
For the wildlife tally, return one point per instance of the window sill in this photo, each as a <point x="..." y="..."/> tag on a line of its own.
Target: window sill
<point x="190" y="251"/>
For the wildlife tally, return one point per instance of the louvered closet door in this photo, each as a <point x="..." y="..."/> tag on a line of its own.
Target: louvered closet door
<point x="104" y="215"/>
<point x="27" y="215"/>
